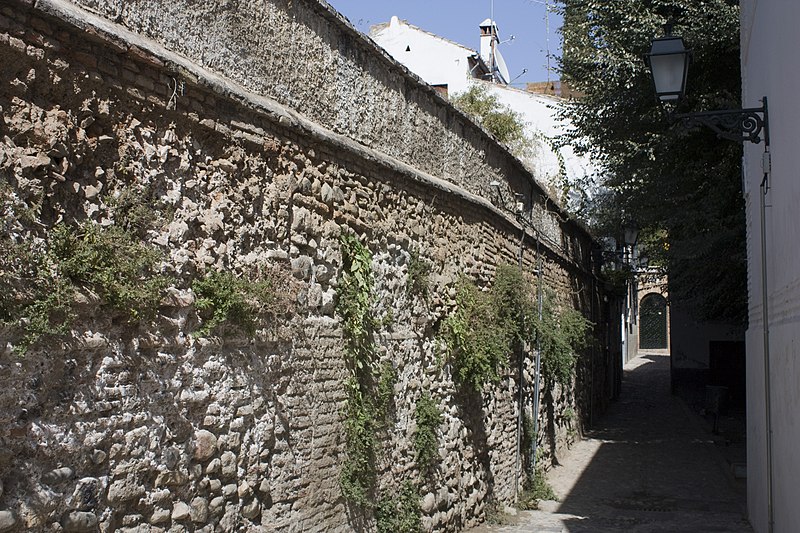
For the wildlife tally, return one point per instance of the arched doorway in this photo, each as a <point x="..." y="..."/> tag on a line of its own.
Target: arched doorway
<point x="653" y="322"/>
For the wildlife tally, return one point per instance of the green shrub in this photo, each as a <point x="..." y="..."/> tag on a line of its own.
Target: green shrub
<point x="418" y="275"/>
<point x="39" y="279"/>
<point x="400" y="513"/>
<point x="561" y="335"/>
<point x="485" y="326"/>
<point x="428" y="418"/>
<point x="222" y="298"/>
<point x="114" y="264"/>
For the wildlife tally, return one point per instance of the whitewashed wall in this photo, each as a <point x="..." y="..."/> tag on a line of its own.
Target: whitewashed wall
<point x="771" y="67"/>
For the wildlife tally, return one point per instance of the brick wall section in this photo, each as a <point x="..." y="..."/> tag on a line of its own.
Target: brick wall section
<point x="151" y="429"/>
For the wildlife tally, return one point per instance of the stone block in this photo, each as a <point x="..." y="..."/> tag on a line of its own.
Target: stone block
<point x="180" y="511"/>
<point x="58" y="476"/>
<point x="79" y="521"/>
<point x="8" y="521"/>
<point x="205" y="445"/>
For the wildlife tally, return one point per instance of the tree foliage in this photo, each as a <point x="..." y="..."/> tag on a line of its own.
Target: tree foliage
<point x="501" y="121"/>
<point x="682" y="187"/>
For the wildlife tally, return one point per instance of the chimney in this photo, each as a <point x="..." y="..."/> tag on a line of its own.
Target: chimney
<point x="489" y="40"/>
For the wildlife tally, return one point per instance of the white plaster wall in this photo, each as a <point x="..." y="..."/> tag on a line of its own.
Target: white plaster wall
<point x="771" y="67"/>
<point x="538" y="113"/>
<point x="434" y="59"/>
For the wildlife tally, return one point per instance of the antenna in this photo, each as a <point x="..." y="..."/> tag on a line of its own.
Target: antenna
<point x="492" y="33"/>
<point x="547" y="35"/>
<point x="518" y="75"/>
<point x="546" y="4"/>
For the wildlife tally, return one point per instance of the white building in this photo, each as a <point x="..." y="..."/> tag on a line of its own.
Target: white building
<point x="771" y="68"/>
<point x="452" y="68"/>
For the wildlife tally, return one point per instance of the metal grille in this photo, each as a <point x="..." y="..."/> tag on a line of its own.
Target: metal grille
<point x="653" y="322"/>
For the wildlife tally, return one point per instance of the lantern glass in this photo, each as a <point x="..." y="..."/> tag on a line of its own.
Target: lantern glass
<point x="669" y="65"/>
<point x="630" y="233"/>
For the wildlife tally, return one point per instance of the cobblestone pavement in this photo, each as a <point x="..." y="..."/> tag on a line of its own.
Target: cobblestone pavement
<point x="648" y="466"/>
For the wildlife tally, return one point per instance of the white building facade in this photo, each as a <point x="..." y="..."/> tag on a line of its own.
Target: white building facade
<point x="453" y="68"/>
<point x="771" y="68"/>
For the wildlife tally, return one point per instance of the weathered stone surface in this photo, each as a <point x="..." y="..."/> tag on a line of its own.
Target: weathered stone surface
<point x="124" y="490"/>
<point x="428" y="503"/>
<point x="79" y="521"/>
<point x="229" y="490"/>
<point x="199" y="510"/>
<point x="160" y="515"/>
<point x="251" y="510"/>
<point x="205" y="445"/>
<point x="180" y="511"/>
<point x="98" y="456"/>
<point x="8" y="521"/>
<point x="228" y="465"/>
<point x="58" y="476"/>
<point x="172" y="478"/>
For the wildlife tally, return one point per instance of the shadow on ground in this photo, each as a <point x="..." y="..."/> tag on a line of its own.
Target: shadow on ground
<point x="648" y="466"/>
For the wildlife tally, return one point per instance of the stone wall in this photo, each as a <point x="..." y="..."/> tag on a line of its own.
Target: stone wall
<point x="144" y="425"/>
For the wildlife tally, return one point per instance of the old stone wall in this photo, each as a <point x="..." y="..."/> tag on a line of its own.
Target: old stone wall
<point x="142" y="424"/>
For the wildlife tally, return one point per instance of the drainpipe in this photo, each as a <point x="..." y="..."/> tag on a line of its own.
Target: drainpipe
<point x="538" y="363"/>
<point x="521" y="382"/>
<point x="764" y="188"/>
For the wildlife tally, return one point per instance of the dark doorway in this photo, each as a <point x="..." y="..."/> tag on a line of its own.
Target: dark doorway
<point x="653" y="322"/>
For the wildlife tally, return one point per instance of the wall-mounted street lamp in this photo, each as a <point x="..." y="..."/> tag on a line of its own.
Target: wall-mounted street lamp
<point x="630" y="233"/>
<point x="669" y="61"/>
<point x="669" y="64"/>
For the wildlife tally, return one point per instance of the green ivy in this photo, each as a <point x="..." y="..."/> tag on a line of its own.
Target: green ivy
<point x="418" y="274"/>
<point x="484" y="327"/>
<point x="384" y="393"/>
<point x="358" y="475"/>
<point x="400" y="513"/>
<point x="355" y="300"/>
<point x="369" y="397"/>
<point x="561" y="335"/>
<point x="428" y="418"/>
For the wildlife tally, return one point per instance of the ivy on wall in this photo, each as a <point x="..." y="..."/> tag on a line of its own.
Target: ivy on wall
<point x="370" y="398"/>
<point x="358" y="478"/>
<point x="481" y="332"/>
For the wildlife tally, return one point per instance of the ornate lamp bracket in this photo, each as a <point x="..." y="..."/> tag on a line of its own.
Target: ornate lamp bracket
<point x="738" y="125"/>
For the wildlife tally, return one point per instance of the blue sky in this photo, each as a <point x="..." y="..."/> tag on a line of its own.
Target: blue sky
<point x="458" y="21"/>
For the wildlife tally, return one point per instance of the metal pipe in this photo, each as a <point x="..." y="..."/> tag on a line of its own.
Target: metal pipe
<point x="763" y="189"/>
<point x="521" y="382"/>
<point x="538" y="364"/>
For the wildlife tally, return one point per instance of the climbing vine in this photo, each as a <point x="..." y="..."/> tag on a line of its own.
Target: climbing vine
<point x="356" y="297"/>
<point x="399" y="513"/>
<point x="428" y="418"/>
<point x="370" y="387"/>
<point x="482" y="330"/>
<point x="561" y="334"/>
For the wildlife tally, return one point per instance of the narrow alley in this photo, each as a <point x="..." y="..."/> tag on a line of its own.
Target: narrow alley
<point x="648" y="466"/>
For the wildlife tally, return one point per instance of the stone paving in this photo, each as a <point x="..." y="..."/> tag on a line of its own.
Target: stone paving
<point x="649" y="465"/>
